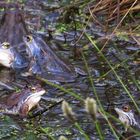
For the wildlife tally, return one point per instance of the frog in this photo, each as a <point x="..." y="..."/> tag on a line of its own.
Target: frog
<point x="46" y="63"/>
<point x="21" y="103"/>
<point x="127" y="117"/>
<point x="11" y="58"/>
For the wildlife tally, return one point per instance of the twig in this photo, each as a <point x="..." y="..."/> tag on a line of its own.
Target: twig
<point x="44" y="110"/>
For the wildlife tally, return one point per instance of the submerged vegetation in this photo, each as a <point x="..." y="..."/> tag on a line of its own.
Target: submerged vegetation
<point x="87" y="58"/>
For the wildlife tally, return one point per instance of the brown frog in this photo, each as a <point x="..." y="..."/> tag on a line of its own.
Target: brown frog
<point x="21" y="103"/>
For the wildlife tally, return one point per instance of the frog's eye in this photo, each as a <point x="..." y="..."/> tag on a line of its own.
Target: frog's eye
<point x="29" y="38"/>
<point x="126" y="108"/>
<point x="33" y="89"/>
<point x="5" y="45"/>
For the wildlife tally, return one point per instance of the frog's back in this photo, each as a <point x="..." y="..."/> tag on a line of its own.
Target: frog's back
<point x="53" y="68"/>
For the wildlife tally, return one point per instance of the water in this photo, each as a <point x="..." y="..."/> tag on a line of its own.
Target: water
<point x="52" y="123"/>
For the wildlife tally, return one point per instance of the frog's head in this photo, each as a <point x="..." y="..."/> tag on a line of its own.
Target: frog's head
<point x="32" y="49"/>
<point x="6" y="56"/>
<point x="37" y="90"/>
<point x="30" y="100"/>
<point x="10" y="57"/>
<point x="34" y="93"/>
<point x="126" y="116"/>
<point x="23" y="102"/>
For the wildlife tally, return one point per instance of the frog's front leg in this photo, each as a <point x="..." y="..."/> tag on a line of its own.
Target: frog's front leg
<point x="24" y="111"/>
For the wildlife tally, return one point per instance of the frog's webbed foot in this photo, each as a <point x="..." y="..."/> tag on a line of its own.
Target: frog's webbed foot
<point x="24" y="111"/>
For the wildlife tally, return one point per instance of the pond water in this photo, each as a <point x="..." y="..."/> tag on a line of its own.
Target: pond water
<point x="123" y="55"/>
